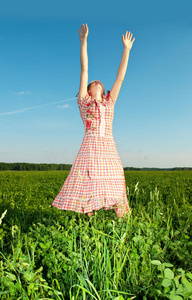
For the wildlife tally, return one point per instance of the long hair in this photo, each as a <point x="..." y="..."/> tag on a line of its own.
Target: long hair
<point x="88" y="87"/>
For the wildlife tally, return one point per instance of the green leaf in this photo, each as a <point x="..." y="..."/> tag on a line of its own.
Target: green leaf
<point x="161" y="267"/>
<point x="156" y="262"/>
<point x="39" y="270"/>
<point x="12" y="277"/>
<point x="188" y="295"/>
<point x="166" y="290"/>
<point x="187" y="237"/>
<point x="182" y="272"/>
<point x="29" y="276"/>
<point x="168" y="265"/>
<point x="176" y="282"/>
<point x="180" y="290"/>
<point x="169" y="273"/>
<point x="150" y="242"/>
<point x="119" y="298"/>
<point x="43" y="246"/>
<point x="12" y="290"/>
<point x="175" y="297"/>
<point x="187" y="285"/>
<point x="137" y="238"/>
<point x="166" y="282"/>
<point x="189" y="275"/>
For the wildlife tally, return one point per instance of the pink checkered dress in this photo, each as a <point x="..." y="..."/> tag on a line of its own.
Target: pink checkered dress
<point x="96" y="179"/>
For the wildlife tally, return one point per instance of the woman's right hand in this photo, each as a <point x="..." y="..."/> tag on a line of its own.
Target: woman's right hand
<point x="84" y="33"/>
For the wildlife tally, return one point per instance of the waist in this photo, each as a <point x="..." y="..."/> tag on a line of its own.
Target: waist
<point x="98" y="134"/>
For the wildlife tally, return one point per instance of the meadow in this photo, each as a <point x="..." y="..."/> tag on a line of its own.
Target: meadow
<point x="46" y="253"/>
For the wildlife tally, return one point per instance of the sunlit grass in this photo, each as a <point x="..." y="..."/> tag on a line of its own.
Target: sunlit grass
<point x="51" y="254"/>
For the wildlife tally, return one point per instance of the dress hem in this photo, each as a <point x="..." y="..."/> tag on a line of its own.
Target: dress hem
<point x="84" y="210"/>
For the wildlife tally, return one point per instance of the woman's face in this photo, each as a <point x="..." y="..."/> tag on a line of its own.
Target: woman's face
<point x="95" y="85"/>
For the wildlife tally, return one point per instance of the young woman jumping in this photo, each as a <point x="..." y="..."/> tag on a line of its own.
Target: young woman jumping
<point x="96" y="179"/>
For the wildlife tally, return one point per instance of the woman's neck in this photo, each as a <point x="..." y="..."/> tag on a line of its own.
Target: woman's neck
<point x="97" y="95"/>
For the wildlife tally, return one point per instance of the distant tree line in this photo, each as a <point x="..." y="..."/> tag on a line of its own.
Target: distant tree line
<point x="158" y="169"/>
<point x="17" y="166"/>
<point x="32" y="167"/>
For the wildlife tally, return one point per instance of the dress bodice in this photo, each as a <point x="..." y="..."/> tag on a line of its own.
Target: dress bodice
<point x="97" y="116"/>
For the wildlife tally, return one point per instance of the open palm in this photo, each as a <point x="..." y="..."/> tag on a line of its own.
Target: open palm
<point x="127" y="43"/>
<point x="83" y="33"/>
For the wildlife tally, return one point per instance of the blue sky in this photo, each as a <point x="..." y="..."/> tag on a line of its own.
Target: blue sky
<point x="40" y="72"/>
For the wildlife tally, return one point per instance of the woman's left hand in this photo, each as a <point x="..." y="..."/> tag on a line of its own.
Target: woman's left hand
<point x="127" y="43"/>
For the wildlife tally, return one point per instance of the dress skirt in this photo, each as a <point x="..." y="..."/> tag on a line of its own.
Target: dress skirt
<point x="96" y="179"/>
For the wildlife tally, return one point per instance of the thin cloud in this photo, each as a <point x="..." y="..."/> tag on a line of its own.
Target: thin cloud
<point x="32" y="107"/>
<point x="64" y="106"/>
<point x="22" y="93"/>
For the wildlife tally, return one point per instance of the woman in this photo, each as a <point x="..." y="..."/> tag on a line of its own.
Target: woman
<point x="96" y="179"/>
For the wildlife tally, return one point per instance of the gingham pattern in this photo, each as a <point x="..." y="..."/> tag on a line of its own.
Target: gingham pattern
<point x="96" y="179"/>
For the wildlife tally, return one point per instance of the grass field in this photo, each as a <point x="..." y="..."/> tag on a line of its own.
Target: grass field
<point x="46" y="253"/>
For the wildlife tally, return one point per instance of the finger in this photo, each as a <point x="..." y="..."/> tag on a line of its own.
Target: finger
<point x="126" y="34"/>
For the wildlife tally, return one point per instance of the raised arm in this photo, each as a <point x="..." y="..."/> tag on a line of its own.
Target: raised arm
<point x="127" y="43"/>
<point x="84" y="61"/>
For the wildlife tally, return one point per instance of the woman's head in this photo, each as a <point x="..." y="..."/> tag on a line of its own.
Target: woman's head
<point x="94" y="85"/>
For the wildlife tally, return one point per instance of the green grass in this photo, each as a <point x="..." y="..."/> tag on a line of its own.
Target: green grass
<point x="51" y="254"/>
